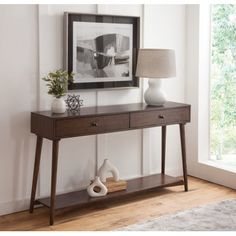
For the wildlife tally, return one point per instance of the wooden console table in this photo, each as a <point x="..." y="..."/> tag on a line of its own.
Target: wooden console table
<point x="105" y="119"/>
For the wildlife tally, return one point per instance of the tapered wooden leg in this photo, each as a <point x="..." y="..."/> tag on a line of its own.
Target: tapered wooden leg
<point x="36" y="172"/>
<point x="183" y="148"/>
<point x="55" y="148"/>
<point x="163" y="148"/>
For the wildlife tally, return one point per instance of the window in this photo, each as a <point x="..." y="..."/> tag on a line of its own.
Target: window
<point x="223" y="84"/>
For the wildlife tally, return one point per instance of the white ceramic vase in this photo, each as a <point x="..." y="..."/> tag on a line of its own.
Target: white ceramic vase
<point x="154" y="95"/>
<point x="58" y="105"/>
<point x="107" y="167"/>
<point x="97" y="183"/>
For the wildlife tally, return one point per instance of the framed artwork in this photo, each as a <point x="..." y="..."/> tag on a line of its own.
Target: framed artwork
<point x="101" y="50"/>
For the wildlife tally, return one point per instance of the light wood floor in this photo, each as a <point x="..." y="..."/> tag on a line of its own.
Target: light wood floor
<point x="113" y="215"/>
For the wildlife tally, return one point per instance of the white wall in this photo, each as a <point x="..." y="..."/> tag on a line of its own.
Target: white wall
<point x="192" y="74"/>
<point x="19" y="94"/>
<point x="30" y="46"/>
<point x="164" y="27"/>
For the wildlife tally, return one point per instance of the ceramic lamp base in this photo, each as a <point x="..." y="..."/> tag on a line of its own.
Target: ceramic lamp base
<point x="154" y="96"/>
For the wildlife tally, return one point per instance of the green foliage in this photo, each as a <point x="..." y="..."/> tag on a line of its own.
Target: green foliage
<point x="57" y="82"/>
<point x="223" y="80"/>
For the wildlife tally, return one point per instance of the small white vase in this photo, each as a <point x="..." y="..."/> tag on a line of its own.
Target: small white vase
<point x="107" y="167"/>
<point x="58" y="105"/>
<point x="97" y="183"/>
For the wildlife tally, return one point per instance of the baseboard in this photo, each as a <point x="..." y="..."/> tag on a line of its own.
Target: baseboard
<point x="14" y="206"/>
<point x="170" y="171"/>
<point x="175" y="172"/>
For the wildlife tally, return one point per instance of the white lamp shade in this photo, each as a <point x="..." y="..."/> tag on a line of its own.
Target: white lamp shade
<point x="156" y="63"/>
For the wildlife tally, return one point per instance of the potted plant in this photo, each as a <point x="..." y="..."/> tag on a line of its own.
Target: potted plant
<point x="57" y="82"/>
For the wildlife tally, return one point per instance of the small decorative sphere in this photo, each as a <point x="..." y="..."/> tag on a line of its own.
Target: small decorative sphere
<point x="73" y="102"/>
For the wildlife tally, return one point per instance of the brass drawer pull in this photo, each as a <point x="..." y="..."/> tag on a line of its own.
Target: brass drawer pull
<point x="161" y="116"/>
<point x="94" y="124"/>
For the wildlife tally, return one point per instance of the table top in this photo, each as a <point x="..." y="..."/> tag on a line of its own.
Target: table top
<point x="111" y="109"/>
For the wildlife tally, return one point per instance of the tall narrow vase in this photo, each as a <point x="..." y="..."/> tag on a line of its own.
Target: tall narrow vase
<point x="107" y="167"/>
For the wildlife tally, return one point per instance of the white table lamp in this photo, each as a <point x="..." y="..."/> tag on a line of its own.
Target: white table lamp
<point x="155" y="64"/>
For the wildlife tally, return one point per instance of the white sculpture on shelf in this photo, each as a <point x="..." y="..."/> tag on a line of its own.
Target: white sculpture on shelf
<point x="107" y="167"/>
<point x="97" y="183"/>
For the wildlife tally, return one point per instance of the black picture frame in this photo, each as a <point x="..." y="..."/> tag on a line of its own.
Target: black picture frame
<point x="69" y="18"/>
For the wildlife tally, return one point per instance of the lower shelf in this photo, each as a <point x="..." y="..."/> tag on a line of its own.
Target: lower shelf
<point x="133" y="186"/>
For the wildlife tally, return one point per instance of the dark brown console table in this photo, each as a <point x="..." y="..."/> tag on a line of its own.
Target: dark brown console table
<point x="105" y="119"/>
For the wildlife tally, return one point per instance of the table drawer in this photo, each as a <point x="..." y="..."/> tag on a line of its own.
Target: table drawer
<point x="91" y="125"/>
<point x="161" y="117"/>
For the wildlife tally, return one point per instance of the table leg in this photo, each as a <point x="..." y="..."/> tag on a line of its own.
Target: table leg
<point x="183" y="148"/>
<point x="55" y="149"/>
<point x="36" y="172"/>
<point x="163" y="148"/>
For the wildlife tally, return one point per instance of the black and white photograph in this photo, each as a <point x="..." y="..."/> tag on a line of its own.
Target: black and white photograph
<point x="102" y="52"/>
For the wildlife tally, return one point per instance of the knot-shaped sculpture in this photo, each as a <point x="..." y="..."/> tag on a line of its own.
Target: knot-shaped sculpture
<point x="107" y="167"/>
<point x="97" y="183"/>
<point x="73" y="103"/>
